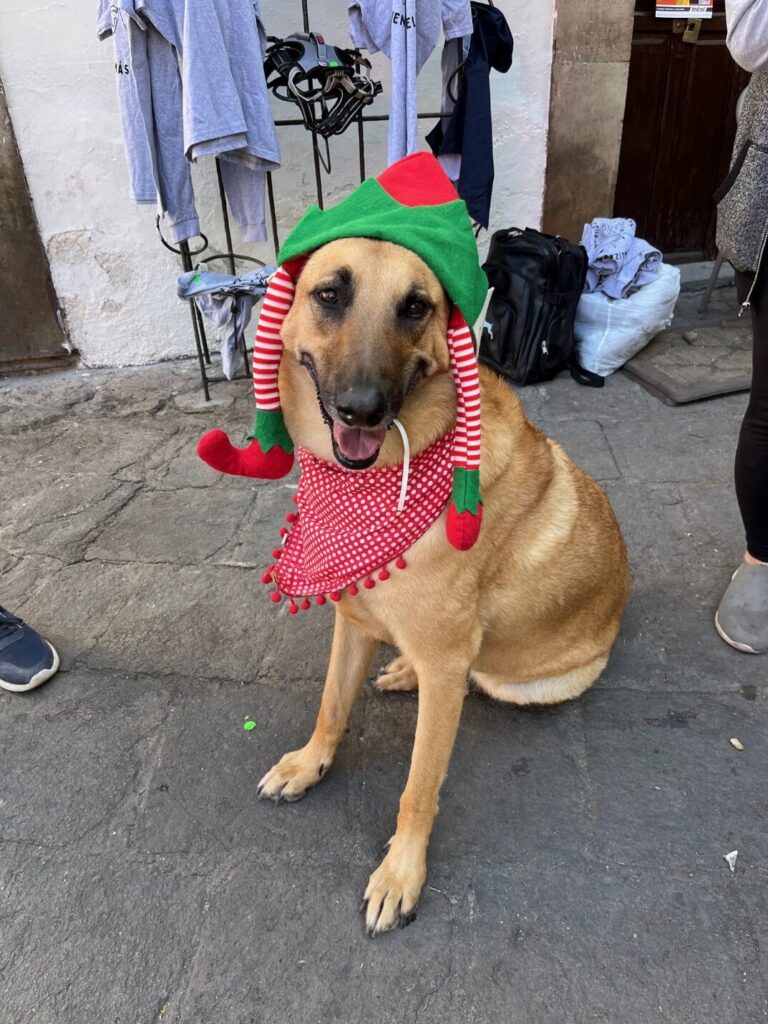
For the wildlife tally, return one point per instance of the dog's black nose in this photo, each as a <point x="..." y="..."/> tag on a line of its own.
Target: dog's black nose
<point x="361" y="406"/>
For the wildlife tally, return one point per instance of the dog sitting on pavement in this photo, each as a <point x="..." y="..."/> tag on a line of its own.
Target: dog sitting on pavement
<point x="484" y="555"/>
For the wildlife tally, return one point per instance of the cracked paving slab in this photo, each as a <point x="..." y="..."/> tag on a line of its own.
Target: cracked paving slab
<point x="576" y="869"/>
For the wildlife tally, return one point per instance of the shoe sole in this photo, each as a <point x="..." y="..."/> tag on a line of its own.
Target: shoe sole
<point x="744" y="648"/>
<point x="37" y="680"/>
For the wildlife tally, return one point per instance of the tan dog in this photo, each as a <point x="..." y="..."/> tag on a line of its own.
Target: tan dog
<point x="530" y="612"/>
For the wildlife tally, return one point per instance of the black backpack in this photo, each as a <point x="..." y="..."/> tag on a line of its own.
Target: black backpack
<point x="537" y="281"/>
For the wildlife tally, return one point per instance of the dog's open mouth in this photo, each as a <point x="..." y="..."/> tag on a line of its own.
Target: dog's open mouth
<point x="356" y="447"/>
<point x="353" y="447"/>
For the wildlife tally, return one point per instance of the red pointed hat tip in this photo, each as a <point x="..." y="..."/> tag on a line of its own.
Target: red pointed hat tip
<point x="418" y="180"/>
<point x="215" y="449"/>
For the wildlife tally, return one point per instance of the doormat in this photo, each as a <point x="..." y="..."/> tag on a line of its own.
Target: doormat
<point x="681" y="366"/>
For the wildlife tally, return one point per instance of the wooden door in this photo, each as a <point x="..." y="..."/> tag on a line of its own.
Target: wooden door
<point x="679" y="126"/>
<point x="30" y="334"/>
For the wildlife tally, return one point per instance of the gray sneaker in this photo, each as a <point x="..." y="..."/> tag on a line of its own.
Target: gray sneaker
<point x="742" y="618"/>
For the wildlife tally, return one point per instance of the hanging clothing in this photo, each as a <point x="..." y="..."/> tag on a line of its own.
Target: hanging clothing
<point x="453" y="57"/>
<point x="152" y="107"/>
<point x="201" y="91"/>
<point x="226" y="301"/>
<point x="113" y="23"/>
<point x="469" y="131"/>
<point x="407" y="31"/>
<point x="619" y="263"/>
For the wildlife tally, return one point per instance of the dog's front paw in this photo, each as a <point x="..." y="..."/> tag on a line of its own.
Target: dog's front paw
<point x="293" y="775"/>
<point x="394" y="888"/>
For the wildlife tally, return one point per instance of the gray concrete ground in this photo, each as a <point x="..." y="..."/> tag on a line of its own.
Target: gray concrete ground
<point x="576" y="871"/>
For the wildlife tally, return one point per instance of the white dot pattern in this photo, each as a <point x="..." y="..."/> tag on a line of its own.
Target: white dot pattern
<point x="347" y="527"/>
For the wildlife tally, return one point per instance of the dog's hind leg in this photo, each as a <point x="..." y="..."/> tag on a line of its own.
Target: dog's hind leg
<point x="547" y="690"/>
<point x="398" y="675"/>
<point x="351" y="655"/>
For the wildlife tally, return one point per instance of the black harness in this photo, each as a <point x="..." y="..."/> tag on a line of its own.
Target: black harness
<point x="329" y="84"/>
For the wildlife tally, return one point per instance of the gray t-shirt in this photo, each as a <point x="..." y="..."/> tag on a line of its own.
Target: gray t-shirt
<point x="150" y="111"/>
<point x="226" y="102"/>
<point x="200" y="90"/>
<point x="407" y="31"/>
<point x="111" y="21"/>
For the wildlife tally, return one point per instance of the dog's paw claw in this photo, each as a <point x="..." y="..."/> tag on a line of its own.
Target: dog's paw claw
<point x="393" y="891"/>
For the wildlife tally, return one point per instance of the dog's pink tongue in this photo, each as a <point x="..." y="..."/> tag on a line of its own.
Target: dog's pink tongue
<point x="357" y="443"/>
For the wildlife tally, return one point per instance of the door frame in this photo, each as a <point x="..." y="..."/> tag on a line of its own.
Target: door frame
<point x="592" y="48"/>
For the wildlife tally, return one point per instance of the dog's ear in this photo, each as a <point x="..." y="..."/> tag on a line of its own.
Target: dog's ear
<point x="434" y="341"/>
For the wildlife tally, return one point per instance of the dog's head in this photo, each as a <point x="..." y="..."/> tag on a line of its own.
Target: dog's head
<point x="368" y="324"/>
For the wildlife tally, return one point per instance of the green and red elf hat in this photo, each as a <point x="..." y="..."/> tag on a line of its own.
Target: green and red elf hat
<point x="412" y="204"/>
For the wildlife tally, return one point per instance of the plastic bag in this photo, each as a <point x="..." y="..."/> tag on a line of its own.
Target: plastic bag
<point x="608" y="332"/>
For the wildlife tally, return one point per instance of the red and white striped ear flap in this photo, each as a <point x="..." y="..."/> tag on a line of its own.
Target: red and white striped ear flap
<point x="465" y="511"/>
<point x="269" y="456"/>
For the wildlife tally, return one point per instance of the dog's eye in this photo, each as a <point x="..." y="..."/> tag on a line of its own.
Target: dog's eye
<point x="416" y="308"/>
<point x="327" y="296"/>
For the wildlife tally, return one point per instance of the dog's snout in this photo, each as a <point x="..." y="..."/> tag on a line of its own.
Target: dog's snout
<point x="361" y="406"/>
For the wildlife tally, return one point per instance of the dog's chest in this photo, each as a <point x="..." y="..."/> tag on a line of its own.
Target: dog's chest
<point x="392" y="606"/>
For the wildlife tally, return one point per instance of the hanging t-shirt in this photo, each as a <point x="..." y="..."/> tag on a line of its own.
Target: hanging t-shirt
<point x="226" y="103"/>
<point x="150" y="108"/>
<point x="111" y="21"/>
<point x="407" y="31"/>
<point x="200" y="90"/>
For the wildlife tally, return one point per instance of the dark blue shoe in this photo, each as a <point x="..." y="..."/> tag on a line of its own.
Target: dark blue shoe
<point x="26" y="660"/>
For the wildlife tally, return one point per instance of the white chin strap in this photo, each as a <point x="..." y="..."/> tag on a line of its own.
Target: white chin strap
<point x="406" y="465"/>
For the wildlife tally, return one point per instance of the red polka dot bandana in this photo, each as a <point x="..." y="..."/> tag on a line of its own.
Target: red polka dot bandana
<point x="347" y="530"/>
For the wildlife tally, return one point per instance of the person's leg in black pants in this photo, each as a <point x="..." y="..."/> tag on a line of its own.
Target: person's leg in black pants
<point x="742" y="618"/>
<point x="752" y="451"/>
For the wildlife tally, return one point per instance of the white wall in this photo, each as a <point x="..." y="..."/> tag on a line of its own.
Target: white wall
<point x="115" y="282"/>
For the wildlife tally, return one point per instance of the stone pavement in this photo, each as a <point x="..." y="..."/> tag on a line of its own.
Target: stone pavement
<point x="576" y="871"/>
